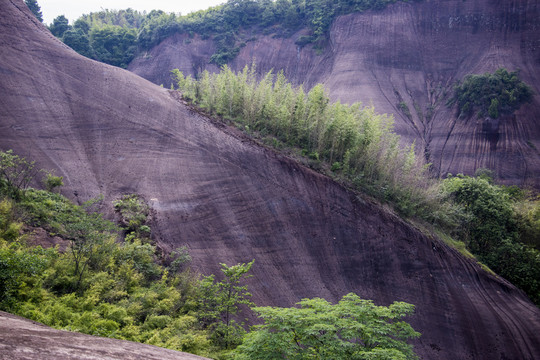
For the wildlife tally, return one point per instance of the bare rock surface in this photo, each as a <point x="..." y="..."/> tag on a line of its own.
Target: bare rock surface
<point x="24" y="339"/>
<point x="108" y="131"/>
<point x="410" y="53"/>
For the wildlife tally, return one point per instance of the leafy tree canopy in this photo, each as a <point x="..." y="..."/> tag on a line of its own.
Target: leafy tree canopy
<point x="491" y="94"/>
<point x="224" y="22"/>
<point x="35" y="8"/>
<point x="59" y="26"/>
<point x="351" y="329"/>
<point x="500" y="227"/>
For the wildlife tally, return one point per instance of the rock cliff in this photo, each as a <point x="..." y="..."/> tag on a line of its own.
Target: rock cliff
<point x="410" y="53"/>
<point x="108" y="131"/>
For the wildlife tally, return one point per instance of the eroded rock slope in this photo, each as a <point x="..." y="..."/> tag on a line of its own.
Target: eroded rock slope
<point x="410" y="53"/>
<point x="110" y="132"/>
<point x="22" y="339"/>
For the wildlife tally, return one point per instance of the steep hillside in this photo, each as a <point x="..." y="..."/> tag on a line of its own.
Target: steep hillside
<point x="108" y="131"/>
<point x="410" y="53"/>
<point x="25" y="339"/>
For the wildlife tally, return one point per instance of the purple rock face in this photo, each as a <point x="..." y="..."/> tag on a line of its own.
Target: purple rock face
<point x="108" y="131"/>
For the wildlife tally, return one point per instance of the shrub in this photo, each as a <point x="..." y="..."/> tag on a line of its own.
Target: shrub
<point x="491" y="94"/>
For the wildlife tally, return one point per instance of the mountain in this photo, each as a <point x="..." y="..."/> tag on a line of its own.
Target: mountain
<point x="24" y="339"/>
<point x="405" y="61"/>
<point x="108" y="131"/>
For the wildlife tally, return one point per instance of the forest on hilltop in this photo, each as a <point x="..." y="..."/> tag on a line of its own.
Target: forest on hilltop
<point x="117" y="36"/>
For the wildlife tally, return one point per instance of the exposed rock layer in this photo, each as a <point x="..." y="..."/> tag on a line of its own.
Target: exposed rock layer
<point x="22" y="339"/>
<point x="110" y="132"/>
<point x="411" y="53"/>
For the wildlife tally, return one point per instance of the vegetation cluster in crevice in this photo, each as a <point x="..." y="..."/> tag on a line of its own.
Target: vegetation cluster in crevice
<point x="490" y="94"/>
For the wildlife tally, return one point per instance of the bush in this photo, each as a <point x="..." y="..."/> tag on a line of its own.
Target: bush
<point x="491" y="94"/>
<point x="134" y="213"/>
<point x="496" y="231"/>
<point x="52" y="182"/>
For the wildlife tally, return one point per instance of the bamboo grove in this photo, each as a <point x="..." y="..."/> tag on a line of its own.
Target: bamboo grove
<point x="353" y="140"/>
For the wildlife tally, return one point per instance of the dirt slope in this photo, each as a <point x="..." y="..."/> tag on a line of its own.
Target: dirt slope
<point x="411" y="53"/>
<point x="110" y="132"/>
<point x="24" y="339"/>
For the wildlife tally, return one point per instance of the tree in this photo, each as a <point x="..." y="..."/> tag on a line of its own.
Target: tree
<point x="16" y="263"/>
<point x="114" y="45"/>
<point x="16" y="173"/>
<point x="35" y="9"/>
<point x="77" y="40"/>
<point x="492" y="228"/>
<point x="87" y="236"/>
<point x="351" y="329"/>
<point x="490" y="215"/>
<point x="493" y="94"/>
<point x="134" y="213"/>
<point x="59" y="26"/>
<point x="219" y="302"/>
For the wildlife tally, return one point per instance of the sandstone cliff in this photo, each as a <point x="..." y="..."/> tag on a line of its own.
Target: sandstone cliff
<point x="108" y="131"/>
<point x="411" y="53"/>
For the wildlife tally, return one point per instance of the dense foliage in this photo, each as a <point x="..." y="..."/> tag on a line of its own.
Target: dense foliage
<point x="497" y="230"/>
<point x="35" y="9"/>
<point x="106" y="36"/>
<point x="102" y="285"/>
<point x="496" y="223"/>
<point x="351" y="329"/>
<point x="491" y="94"/>
<point x="222" y="23"/>
<point x="356" y="142"/>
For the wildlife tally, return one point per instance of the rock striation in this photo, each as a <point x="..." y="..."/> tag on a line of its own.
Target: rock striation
<point x="108" y="131"/>
<point x="411" y="53"/>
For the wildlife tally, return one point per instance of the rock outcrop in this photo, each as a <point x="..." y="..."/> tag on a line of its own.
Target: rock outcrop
<point x="22" y="339"/>
<point x="410" y="53"/>
<point x="108" y="131"/>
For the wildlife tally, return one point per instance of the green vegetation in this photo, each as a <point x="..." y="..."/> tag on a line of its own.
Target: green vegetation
<point x="107" y="36"/>
<point x="220" y="301"/>
<point x="497" y="224"/>
<point x="16" y="173"/>
<point x="35" y="9"/>
<point x="121" y="288"/>
<point x="134" y="213"/>
<point x="357" y="143"/>
<point x="498" y="231"/>
<point x="101" y="286"/>
<point x="351" y="329"/>
<point x="491" y="94"/>
<point x="53" y="182"/>
<point x="133" y="32"/>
